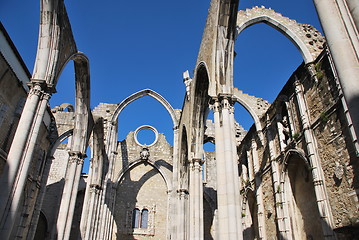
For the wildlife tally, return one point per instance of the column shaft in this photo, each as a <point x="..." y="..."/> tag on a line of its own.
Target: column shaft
<point x="259" y="192"/>
<point x="19" y="158"/>
<point x="283" y="226"/>
<point x="343" y="46"/>
<point x="229" y="216"/>
<point x="317" y="172"/>
<point x="353" y="6"/>
<point x="17" y="148"/>
<point x="66" y="200"/>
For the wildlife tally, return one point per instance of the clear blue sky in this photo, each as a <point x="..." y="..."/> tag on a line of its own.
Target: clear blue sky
<point x="134" y="45"/>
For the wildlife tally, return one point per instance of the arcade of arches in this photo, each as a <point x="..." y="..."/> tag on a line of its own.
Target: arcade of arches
<point x="293" y="175"/>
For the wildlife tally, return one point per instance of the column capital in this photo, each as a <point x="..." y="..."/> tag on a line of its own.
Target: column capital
<point x="76" y="157"/>
<point x="182" y="191"/>
<point x="298" y="86"/>
<point x="47" y="87"/>
<point x="197" y="160"/>
<point x="223" y="101"/>
<point x="95" y="188"/>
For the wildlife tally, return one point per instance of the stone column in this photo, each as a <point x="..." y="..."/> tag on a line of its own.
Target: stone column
<point x="317" y="171"/>
<point x="90" y="220"/>
<point x="16" y="169"/>
<point x="196" y="199"/>
<point x="182" y="213"/>
<point x="259" y="192"/>
<point x="69" y="195"/>
<point x="40" y="197"/>
<point x="353" y="6"/>
<point x="175" y="185"/>
<point x="343" y="44"/>
<point x="88" y="204"/>
<point x="283" y="225"/>
<point x="229" y="217"/>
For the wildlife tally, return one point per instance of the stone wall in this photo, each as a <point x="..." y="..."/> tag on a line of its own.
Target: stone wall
<point x="334" y="148"/>
<point x="141" y="185"/>
<point x="12" y="100"/>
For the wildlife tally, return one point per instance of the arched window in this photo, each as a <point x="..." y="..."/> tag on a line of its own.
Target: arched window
<point x="140" y="218"/>
<point x="136" y="218"/>
<point x="144" y="218"/>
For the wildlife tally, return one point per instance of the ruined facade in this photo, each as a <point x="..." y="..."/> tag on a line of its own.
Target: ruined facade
<point x="293" y="175"/>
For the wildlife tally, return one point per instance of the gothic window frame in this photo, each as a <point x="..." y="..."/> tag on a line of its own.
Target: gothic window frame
<point x="135" y="220"/>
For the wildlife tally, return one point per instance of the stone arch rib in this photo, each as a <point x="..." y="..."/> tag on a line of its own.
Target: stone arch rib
<point x="140" y="94"/>
<point x="304" y="36"/>
<point x="137" y="162"/>
<point x="55" y="33"/>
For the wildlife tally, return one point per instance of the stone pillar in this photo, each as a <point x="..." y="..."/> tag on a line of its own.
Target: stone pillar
<point x="283" y="225"/>
<point x="259" y="192"/>
<point x="229" y="217"/>
<point x="196" y="199"/>
<point x="353" y="6"/>
<point x="343" y="44"/>
<point x="40" y="197"/>
<point x="69" y="195"/>
<point x="317" y="171"/>
<point x="88" y="204"/>
<point x="88" y="218"/>
<point x="15" y="172"/>
<point x="175" y="185"/>
<point x="182" y="213"/>
<point x="250" y="166"/>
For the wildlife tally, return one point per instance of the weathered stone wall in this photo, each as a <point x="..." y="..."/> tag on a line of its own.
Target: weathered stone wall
<point x="142" y="186"/>
<point x="12" y="100"/>
<point x="334" y="148"/>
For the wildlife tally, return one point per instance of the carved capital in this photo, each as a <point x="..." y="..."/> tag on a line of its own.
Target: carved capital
<point x="35" y="91"/>
<point x="196" y="164"/>
<point x="94" y="188"/>
<point x="76" y="157"/>
<point x="298" y="86"/>
<point x="182" y="192"/>
<point x="46" y="96"/>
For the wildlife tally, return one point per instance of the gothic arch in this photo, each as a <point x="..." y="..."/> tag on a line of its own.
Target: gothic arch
<point x="251" y="111"/>
<point x="138" y="162"/>
<point x="200" y="107"/>
<point x="140" y="94"/>
<point x="305" y="37"/>
<point x="294" y="152"/>
<point x="299" y="198"/>
<point x="98" y="163"/>
<point x="183" y="159"/>
<point x="83" y="116"/>
<point x="55" y="144"/>
<point x="56" y="42"/>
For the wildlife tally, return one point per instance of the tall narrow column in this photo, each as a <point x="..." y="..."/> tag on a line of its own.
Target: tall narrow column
<point x="259" y="192"/>
<point x="342" y="43"/>
<point x="353" y="6"/>
<point x="13" y="178"/>
<point x="67" y="205"/>
<point x="181" y="214"/>
<point x="229" y="220"/>
<point x="196" y="196"/>
<point x="283" y="224"/>
<point x="317" y="171"/>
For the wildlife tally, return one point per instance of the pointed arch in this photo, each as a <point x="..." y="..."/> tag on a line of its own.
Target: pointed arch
<point x="140" y="94"/>
<point x="56" y="42"/>
<point x="137" y="162"/>
<point x="299" y="198"/>
<point x="200" y="109"/>
<point x="305" y="37"/>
